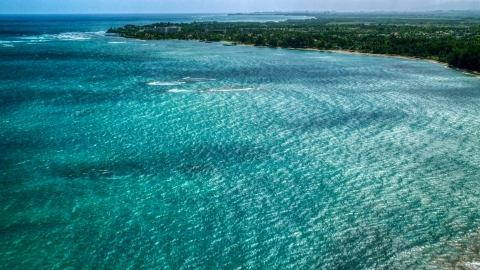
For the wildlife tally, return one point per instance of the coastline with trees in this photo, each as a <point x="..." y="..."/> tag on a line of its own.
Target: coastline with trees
<point x="456" y="43"/>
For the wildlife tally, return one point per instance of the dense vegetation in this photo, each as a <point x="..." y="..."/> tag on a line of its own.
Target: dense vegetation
<point x="450" y="38"/>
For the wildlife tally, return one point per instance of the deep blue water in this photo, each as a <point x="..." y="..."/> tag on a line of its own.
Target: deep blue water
<point x="125" y="154"/>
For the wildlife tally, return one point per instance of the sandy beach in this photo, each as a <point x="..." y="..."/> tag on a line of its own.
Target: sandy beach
<point x="470" y="72"/>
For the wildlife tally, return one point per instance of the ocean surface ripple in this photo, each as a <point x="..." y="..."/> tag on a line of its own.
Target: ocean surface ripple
<point x="128" y="154"/>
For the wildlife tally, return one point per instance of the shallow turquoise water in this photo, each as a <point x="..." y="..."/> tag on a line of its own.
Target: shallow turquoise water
<point x="124" y="154"/>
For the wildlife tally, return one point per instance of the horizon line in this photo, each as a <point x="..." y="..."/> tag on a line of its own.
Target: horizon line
<point x="253" y="12"/>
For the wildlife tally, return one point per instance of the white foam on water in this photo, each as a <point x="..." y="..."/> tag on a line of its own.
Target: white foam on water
<point x="73" y="36"/>
<point x="31" y="38"/>
<point x="10" y="41"/>
<point x="472" y="265"/>
<point x="165" y="83"/>
<point x="198" y="79"/>
<point x="117" y="42"/>
<point x="7" y="46"/>
<point x="176" y="90"/>
<point x="62" y="36"/>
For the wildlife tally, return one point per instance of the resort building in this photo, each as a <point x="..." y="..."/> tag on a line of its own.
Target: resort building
<point x="168" y="29"/>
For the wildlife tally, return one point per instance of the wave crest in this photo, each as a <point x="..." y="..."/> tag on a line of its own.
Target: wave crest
<point x="158" y="83"/>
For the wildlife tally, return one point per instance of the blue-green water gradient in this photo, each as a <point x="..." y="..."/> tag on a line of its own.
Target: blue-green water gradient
<point x="125" y="154"/>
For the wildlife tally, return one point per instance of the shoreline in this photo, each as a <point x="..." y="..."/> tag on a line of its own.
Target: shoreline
<point x="470" y="72"/>
<point x="467" y="71"/>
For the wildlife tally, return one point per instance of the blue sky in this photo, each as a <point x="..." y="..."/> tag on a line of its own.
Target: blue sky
<point x="223" y="6"/>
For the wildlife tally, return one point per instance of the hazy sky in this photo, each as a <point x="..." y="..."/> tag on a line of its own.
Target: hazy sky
<point x="222" y="6"/>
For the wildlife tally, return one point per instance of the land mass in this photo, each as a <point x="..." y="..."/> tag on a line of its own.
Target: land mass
<point x="447" y="37"/>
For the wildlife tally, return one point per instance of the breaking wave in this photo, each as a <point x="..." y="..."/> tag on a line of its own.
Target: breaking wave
<point x="166" y="83"/>
<point x="67" y="36"/>
<point x="177" y="90"/>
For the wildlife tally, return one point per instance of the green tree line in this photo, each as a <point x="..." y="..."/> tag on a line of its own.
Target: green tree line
<point x="457" y="45"/>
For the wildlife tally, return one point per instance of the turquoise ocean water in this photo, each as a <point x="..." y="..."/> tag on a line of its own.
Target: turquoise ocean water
<point x="125" y="154"/>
